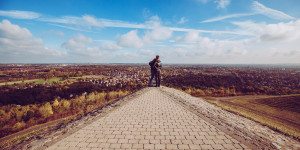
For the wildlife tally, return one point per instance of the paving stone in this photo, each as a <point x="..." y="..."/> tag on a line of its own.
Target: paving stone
<point x="194" y="146"/>
<point x="126" y="146"/>
<point x="82" y="144"/>
<point x="172" y="146"/>
<point x="183" y="146"/>
<point x="148" y="146"/>
<point x="160" y="146"/>
<point x="72" y="144"/>
<point x="115" y="145"/>
<point x="138" y="146"/>
<point x="149" y="121"/>
<point x="123" y="141"/>
<point x="217" y="146"/>
<point x="93" y="145"/>
<point x="228" y="146"/>
<point x="104" y="145"/>
<point x="90" y="140"/>
<point x="206" y="147"/>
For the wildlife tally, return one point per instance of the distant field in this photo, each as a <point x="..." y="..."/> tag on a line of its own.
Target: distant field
<point x="37" y="81"/>
<point x="94" y="76"/>
<point x="278" y="112"/>
<point x="54" y="79"/>
<point x="41" y="81"/>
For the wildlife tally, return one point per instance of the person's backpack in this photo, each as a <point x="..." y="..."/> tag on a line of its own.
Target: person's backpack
<point x="152" y="63"/>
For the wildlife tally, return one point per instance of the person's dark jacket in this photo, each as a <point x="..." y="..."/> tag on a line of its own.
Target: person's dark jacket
<point x="152" y="63"/>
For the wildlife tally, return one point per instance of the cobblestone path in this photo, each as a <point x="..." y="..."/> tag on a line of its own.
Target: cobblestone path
<point x="149" y="121"/>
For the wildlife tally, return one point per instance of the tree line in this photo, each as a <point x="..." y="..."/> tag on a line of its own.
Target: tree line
<point x="202" y="84"/>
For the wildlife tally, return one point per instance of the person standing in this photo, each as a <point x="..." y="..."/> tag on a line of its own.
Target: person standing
<point x="152" y="63"/>
<point x="157" y="67"/>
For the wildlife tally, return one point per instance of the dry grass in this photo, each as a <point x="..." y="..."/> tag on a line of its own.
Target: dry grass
<point x="281" y="113"/>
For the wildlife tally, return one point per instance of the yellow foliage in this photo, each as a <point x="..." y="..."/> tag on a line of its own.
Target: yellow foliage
<point x="199" y="92"/>
<point x="81" y="98"/>
<point x="19" y="115"/>
<point x="102" y="96"/>
<point x="55" y="103"/>
<point x="91" y="97"/>
<point x="112" y="95"/>
<point x="2" y="113"/>
<point x="189" y="91"/>
<point x="18" y="126"/>
<point x="46" y="110"/>
<point x="89" y="108"/>
<point x="66" y="104"/>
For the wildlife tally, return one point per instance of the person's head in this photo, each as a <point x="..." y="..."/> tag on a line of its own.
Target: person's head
<point x="157" y="56"/>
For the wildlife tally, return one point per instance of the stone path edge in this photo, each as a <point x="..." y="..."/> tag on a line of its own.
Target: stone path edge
<point x="119" y="102"/>
<point x="199" y="114"/>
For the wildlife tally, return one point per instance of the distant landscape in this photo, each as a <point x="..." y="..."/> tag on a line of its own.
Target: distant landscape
<point x="32" y="94"/>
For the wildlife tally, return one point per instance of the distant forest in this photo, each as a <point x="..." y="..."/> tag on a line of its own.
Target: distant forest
<point x="203" y="84"/>
<point x="40" y="93"/>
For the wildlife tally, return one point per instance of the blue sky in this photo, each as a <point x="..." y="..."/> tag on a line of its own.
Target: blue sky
<point x="134" y="31"/>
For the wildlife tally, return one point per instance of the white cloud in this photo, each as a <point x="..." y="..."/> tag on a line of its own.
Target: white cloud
<point x="228" y="17"/>
<point x="281" y="32"/>
<point x="191" y="37"/>
<point x="131" y="39"/>
<point x="81" y="45"/>
<point x="12" y="31"/>
<point x="293" y="53"/>
<point x="91" y="21"/>
<point x="182" y="20"/>
<point x="158" y="33"/>
<point x="154" y="21"/>
<point x="111" y="46"/>
<point x="200" y="45"/>
<point x="85" y="23"/>
<point x="53" y="32"/>
<point x="203" y="1"/>
<point x="147" y="52"/>
<point x="77" y="28"/>
<point x="271" y="42"/>
<point x="20" y="14"/>
<point x="236" y="51"/>
<point x="17" y="41"/>
<point x="257" y="8"/>
<point x="78" y="42"/>
<point x="272" y="13"/>
<point x="222" y="3"/>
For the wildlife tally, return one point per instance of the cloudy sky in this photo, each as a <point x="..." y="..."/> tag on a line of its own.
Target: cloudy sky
<point x="134" y="31"/>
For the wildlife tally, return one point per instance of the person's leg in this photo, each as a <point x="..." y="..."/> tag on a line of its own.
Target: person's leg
<point x="158" y="76"/>
<point x="152" y="76"/>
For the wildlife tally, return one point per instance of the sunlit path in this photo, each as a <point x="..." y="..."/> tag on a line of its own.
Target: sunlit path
<point x="150" y="121"/>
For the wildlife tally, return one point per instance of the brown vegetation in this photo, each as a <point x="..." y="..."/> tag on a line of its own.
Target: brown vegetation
<point x="278" y="112"/>
<point x="15" y="118"/>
